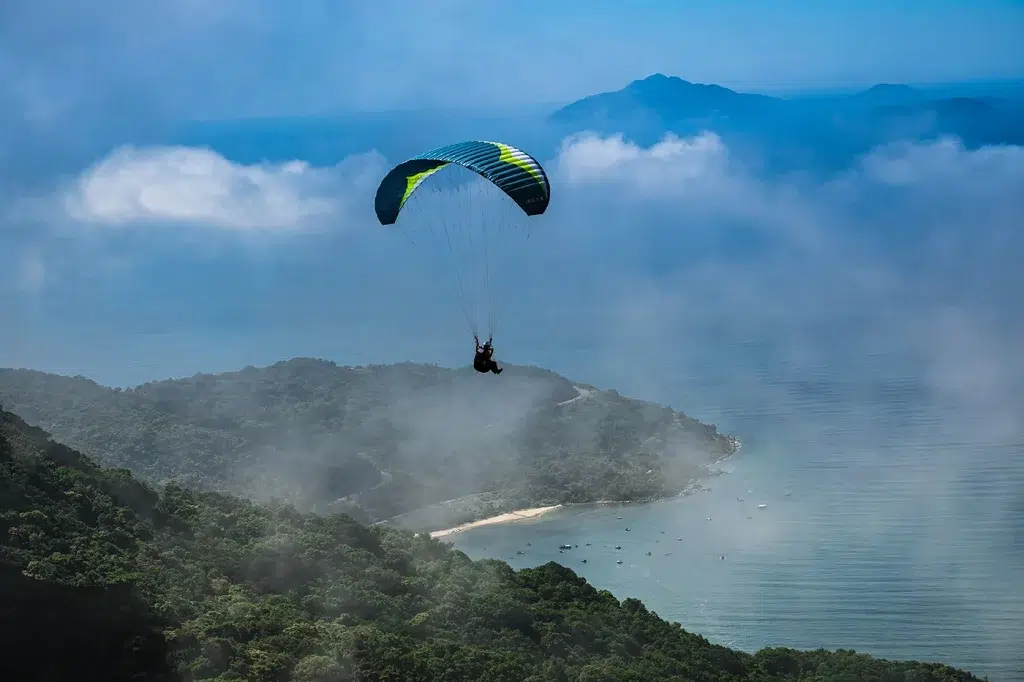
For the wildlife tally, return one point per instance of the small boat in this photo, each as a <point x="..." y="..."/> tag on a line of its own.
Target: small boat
<point x="619" y="561"/>
<point x="647" y="553"/>
<point x="565" y="547"/>
<point x="618" y="546"/>
<point x="762" y="506"/>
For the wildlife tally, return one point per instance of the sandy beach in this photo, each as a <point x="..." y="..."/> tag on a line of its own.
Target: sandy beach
<point x="510" y="517"/>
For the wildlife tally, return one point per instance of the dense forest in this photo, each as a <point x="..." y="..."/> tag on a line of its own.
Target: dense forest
<point x="131" y="582"/>
<point x="427" y="446"/>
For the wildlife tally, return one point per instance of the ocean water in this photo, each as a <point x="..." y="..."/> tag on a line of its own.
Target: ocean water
<point x="902" y="535"/>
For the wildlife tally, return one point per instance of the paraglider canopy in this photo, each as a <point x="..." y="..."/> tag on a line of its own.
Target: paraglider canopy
<point x="511" y="170"/>
<point x="487" y="191"/>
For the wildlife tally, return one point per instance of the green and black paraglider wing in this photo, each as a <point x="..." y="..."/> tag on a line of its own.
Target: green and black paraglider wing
<point x="513" y="171"/>
<point x="466" y="199"/>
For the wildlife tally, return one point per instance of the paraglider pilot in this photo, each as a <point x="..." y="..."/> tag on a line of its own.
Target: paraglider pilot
<point x="483" y="361"/>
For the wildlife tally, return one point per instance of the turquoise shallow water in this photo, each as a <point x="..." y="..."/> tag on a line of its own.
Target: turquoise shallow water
<point x="903" y="537"/>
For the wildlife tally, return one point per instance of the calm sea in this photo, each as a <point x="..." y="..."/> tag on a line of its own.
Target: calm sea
<point x="902" y="534"/>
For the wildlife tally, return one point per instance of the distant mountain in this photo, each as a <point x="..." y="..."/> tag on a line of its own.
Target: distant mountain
<point x="975" y="120"/>
<point x="828" y="129"/>
<point x="381" y="441"/>
<point x="667" y="99"/>
<point x="953" y="106"/>
<point x="888" y="94"/>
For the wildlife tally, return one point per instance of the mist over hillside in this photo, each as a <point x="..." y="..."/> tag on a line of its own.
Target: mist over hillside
<point x="379" y="441"/>
<point x="130" y="582"/>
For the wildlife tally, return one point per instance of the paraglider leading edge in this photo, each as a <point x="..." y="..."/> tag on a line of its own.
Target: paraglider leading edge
<point x="513" y="171"/>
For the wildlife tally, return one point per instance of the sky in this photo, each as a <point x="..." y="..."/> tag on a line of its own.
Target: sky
<point x="242" y="58"/>
<point x="158" y="258"/>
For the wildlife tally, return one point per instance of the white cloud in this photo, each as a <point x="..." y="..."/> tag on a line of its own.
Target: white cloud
<point x="945" y="161"/>
<point x="677" y="167"/>
<point x="912" y="252"/>
<point x="198" y="187"/>
<point x="664" y="167"/>
<point x="831" y="241"/>
<point x="693" y="184"/>
<point x="696" y="182"/>
<point x="907" y="262"/>
<point x="868" y="332"/>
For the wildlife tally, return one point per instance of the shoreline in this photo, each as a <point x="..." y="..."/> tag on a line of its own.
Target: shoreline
<point x="507" y="517"/>
<point x="693" y="487"/>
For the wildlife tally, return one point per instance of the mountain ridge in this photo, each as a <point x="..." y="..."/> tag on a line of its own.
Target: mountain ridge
<point x="382" y="441"/>
<point x="131" y="582"/>
<point x="663" y="96"/>
<point x="646" y="109"/>
<point x="660" y="90"/>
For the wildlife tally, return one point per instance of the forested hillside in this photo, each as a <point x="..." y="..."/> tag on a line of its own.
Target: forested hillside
<point x="381" y="441"/>
<point x="224" y="589"/>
